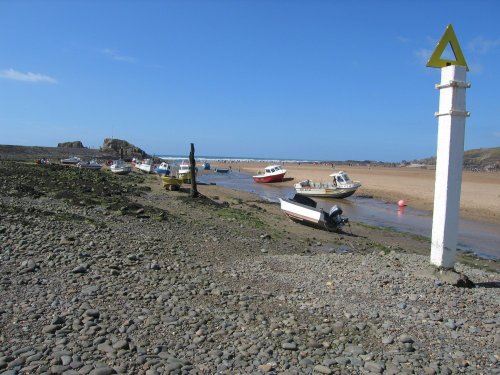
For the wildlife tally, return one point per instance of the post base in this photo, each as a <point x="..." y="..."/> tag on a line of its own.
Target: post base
<point x="446" y="275"/>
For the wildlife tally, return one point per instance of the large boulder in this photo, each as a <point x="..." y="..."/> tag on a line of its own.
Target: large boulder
<point x="125" y="149"/>
<point x="75" y="144"/>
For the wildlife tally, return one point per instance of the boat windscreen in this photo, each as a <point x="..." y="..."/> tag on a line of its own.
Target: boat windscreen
<point x="302" y="199"/>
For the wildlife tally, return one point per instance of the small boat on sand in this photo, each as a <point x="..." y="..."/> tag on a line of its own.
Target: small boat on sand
<point x="185" y="172"/>
<point x="272" y="173"/>
<point x="341" y="186"/>
<point x="303" y="210"/>
<point x="171" y="183"/>
<point x="222" y="170"/>
<point x="206" y="166"/>
<point x="163" y="168"/>
<point x="146" y="166"/>
<point x="73" y="160"/>
<point x="89" y="165"/>
<point x="119" y="167"/>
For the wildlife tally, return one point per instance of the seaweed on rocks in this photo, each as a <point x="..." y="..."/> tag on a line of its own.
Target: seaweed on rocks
<point x="79" y="187"/>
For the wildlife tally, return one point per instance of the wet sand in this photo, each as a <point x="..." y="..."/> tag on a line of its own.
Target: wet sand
<point x="480" y="190"/>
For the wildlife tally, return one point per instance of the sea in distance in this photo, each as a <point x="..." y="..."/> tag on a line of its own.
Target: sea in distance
<point x="178" y="158"/>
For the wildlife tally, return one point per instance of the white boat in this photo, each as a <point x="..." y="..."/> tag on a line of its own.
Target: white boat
<point x="303" y="209"/>
<point x="146" y="166"/>
<point x="272" y="173"/>
<point x="341" y="186"/>
<point x="89" y="165"/>
<point x="72" y="160"/>
<point x="119" y="167"/>
<point x="184" y="172"/>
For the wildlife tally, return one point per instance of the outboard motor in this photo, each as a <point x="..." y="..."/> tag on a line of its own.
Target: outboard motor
<point x="335" y="219"/>
<point x="335" y="211"/>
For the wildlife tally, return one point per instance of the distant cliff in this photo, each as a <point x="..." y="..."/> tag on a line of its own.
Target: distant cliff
<point x="487" y="159"/>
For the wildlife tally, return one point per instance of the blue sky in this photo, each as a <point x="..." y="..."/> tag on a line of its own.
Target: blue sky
<point x="329" y="80"/>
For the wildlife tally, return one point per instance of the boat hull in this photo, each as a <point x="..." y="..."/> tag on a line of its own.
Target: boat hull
<point x="299" y="212"/>
<point x="147" y="168"/>
<point x="303" y="210"/>
<point x="162" y="171"/>
<point x="171" y="183"/>
<point x="91" y="167"/>
<point x="121" y="170"/>
<point x="271" y="178"/>
<point x="326" y="193"/>
<point x="71" y="161"/>
<point x="326" y="190"/>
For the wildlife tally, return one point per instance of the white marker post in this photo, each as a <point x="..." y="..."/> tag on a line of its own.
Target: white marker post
<point x="450" y="151"/>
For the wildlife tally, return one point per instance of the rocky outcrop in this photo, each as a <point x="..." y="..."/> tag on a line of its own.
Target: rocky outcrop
<point x="125" y="149"/>
<point x="111" y="149"/>
<point x="75" y="144"/>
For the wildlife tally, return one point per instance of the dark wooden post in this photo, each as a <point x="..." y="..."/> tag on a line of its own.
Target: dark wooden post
<point x="192" y="162"/>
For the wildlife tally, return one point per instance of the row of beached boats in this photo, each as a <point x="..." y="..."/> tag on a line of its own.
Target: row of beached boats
<point x="300" y="208"/>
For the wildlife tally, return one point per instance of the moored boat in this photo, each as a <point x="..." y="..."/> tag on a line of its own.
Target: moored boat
<point x="163" y="168"/>
<point x="92" y="164"/>
<point x="119" y="167"/>
<point x="146" y="165"/>
<point x="222" y="170"/>
<point x="272" y="173"/>
<point x="184" y="172"/>
<point x="171" y="183"/>
<point x="341" y="186"/>
<point x="304" y="210"/>
<point x="73" y="160"/>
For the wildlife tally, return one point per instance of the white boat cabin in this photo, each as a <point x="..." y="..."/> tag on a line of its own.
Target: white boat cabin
<point x="273" y="169"/>
<point x="341" y="179"/>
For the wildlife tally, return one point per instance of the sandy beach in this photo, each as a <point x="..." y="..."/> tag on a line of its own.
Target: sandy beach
<point x="479" y="198"/>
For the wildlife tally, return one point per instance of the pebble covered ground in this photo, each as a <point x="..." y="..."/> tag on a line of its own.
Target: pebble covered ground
<point x="101" y="275"/>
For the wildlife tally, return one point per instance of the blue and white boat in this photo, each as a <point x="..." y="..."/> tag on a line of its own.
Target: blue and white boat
<point x="163" y="168"/>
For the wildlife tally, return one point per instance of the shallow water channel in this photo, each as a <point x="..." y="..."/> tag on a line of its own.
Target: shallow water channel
<point x="483" y="239"/>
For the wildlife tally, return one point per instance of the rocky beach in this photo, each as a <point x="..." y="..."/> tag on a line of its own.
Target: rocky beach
<point x="104" y="274"/>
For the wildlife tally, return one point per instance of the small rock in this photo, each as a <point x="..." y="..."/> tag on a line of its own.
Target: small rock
<point x="80" y="269"/>
<point x="289" y="346"/>
<point x="388" y="340"/>
<point x="266" y="368"/>
<point x="103" y="371"/>
<point x="51" y="328"/>
<point x="405" y="339"/>
<point x="374" y="367"/>
<point x="322" y="369"/>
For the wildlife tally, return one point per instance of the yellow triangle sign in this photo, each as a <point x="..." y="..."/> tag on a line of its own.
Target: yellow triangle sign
<point x="450" y="38"/>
